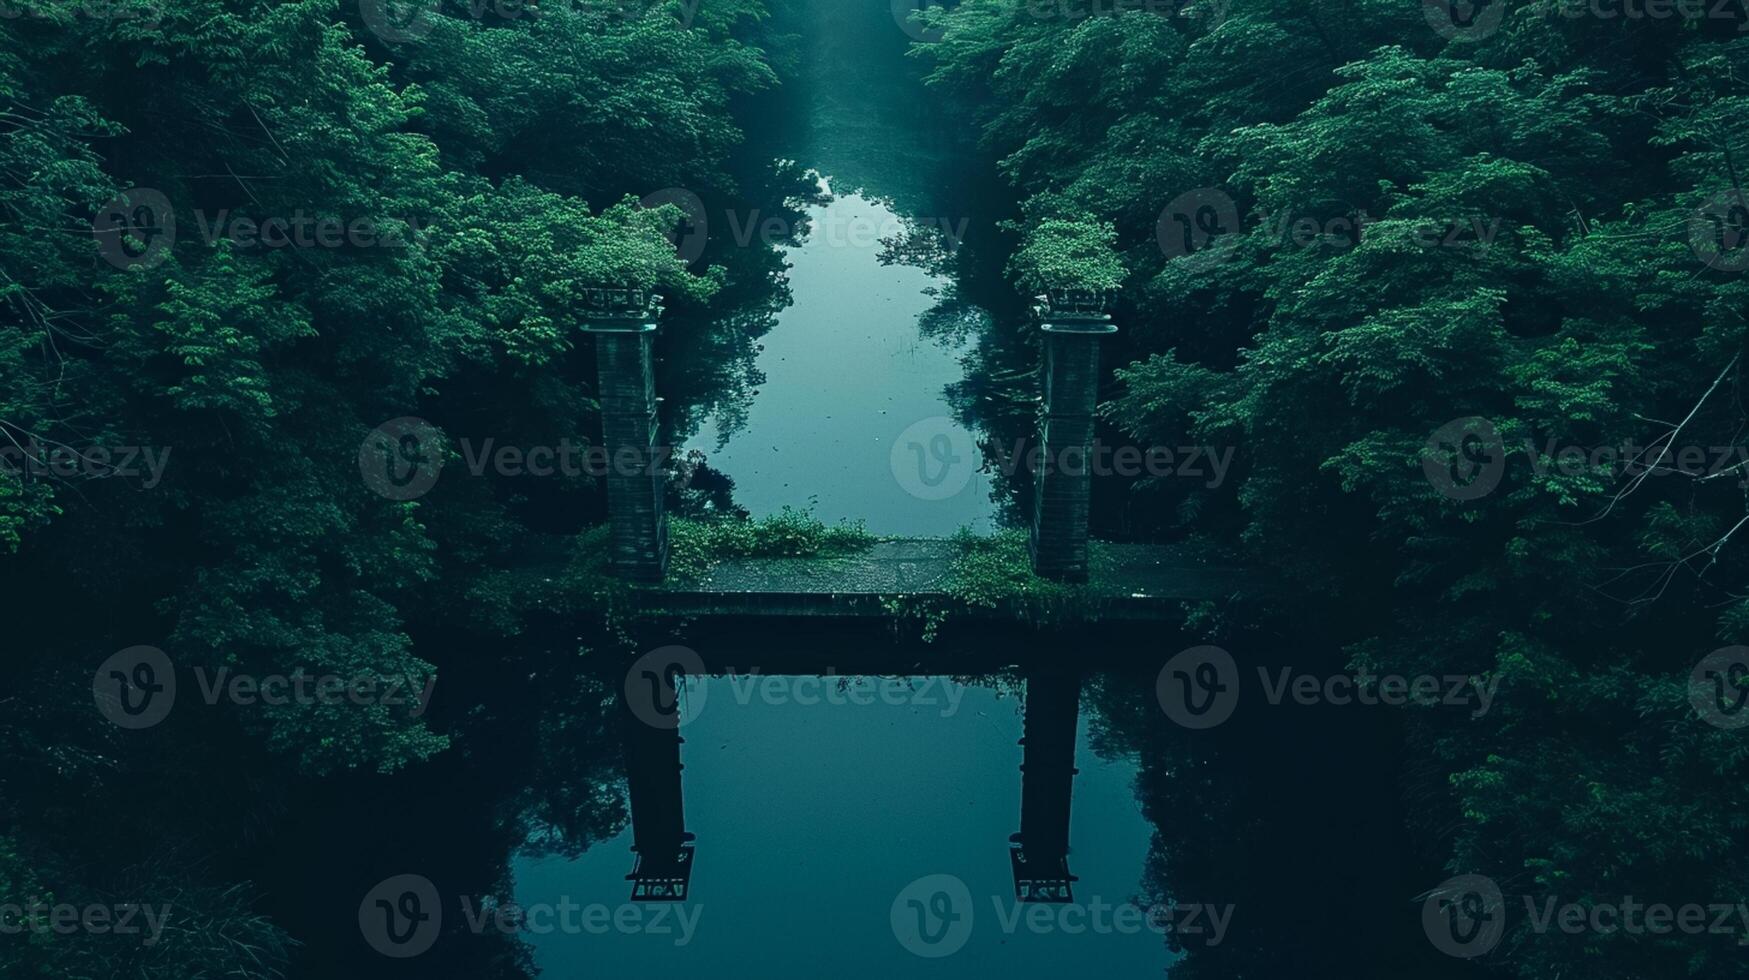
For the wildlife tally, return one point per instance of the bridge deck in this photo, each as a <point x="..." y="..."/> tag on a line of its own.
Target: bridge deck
<point x="1130" y="582"/>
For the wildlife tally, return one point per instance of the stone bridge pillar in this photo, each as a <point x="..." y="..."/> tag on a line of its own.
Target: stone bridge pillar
<point x="663" y="869"/>
<point x="1073" y="323"/>
<point x="1040" y="852"/>
<point x="624" y="324"/>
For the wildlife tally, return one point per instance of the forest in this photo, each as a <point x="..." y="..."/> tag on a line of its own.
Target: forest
<point x="1459" y="287"/>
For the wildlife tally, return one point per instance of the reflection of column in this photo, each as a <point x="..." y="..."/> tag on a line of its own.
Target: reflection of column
<point x="1040" y="855"/>
<point x="1073" y="322"/>
<point x="624" y="324"/>
<point x="663" y="870"/>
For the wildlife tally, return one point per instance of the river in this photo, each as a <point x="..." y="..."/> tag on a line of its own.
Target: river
<point x="861" y="824"/>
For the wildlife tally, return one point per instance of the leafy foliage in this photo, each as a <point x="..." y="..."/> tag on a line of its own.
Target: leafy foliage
<point x="1430" y="230"/>
<point x="363" y="229"/>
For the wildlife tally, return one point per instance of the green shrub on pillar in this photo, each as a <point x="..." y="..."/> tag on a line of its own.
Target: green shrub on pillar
<point x="1073" y="265"/>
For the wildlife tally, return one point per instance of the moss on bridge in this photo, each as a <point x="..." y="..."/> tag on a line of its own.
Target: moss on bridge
<point x="793" y="565"/>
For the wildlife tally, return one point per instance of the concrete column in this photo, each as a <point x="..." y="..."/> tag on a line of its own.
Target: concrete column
<point x="1073" y="323"/>
<point x="624" y="324"/>
<point x="1040" y="856"/>
<point x="663" y="870"/>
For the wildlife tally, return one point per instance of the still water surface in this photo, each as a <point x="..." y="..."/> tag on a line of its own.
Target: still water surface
<point x="812" y="818"/>
<point x="847" y="371"/>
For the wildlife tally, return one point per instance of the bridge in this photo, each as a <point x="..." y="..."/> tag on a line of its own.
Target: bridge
<point x="652" y="722"/>
<point x="1133" y="581"/>
<point x="833" y="615"/>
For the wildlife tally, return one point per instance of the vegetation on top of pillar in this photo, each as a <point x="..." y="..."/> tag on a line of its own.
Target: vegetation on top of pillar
<point x="1061" y="256"/>
<point x="625" y="270"/>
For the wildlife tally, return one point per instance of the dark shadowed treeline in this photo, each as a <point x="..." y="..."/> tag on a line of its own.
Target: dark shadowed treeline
<point x="380" y="210"/>
<point x="1354" y="235"/>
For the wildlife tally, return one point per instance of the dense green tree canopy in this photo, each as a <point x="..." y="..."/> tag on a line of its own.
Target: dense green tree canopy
<point x="1390" y="228"/>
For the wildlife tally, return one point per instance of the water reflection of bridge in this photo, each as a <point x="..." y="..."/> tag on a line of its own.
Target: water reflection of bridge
<point x="1038" y="854"/>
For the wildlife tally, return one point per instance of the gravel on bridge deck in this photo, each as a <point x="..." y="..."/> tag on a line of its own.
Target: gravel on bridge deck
<point x="1132" y="581"/>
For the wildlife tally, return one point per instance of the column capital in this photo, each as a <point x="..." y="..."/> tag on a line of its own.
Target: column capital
<point x="1084" y="311"/>
<point x="620" y="310"/>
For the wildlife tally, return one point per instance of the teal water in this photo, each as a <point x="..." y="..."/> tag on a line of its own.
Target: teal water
<point x="812" y="818"/>
<point x="848" y="372"/>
